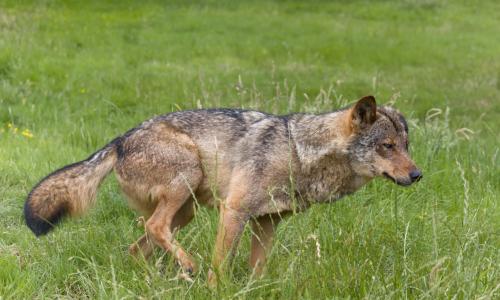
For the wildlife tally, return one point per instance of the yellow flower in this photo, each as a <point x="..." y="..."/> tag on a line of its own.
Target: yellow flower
<point x="15" y="130"/>
<point x="83" y="91"/>
<point x="9" y="125"/>
<point x="27" y="133"/>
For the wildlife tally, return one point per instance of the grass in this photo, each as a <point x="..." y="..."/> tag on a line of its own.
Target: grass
<point x="76" y="74"/>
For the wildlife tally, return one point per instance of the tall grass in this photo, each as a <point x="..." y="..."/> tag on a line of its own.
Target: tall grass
<point x="74" y="75"/>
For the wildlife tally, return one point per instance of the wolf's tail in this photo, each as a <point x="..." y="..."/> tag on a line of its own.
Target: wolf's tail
<point x="70" y="190"/>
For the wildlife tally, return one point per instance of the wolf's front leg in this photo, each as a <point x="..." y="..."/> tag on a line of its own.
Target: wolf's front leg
<point x="263" y="230"/>
<point x="231" y="225"/>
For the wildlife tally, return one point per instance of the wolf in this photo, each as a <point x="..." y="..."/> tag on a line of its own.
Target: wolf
<point x="253" y="166"/>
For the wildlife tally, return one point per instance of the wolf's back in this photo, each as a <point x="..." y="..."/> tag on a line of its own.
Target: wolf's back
<point x="70" y="190"/>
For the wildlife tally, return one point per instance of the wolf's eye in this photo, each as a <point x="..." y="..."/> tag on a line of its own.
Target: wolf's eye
<point x="388" y="146"/>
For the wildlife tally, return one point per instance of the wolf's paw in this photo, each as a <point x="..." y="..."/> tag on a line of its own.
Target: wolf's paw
<point x="212" y="280"/>
<point x="134" y="250"/>
<point x="186" y="277"/>
<point x="186" y="263"/>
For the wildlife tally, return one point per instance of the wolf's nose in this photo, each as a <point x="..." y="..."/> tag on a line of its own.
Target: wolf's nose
<point x="415" y="175"/>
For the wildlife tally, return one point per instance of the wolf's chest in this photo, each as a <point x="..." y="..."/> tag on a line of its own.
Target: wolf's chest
<point x="329" y="180"/>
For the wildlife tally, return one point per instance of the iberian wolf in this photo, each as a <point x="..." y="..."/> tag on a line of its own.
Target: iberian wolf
<point x="261" y="165"/>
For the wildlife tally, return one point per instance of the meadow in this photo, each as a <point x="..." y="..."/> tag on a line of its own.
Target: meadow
<point x="74" y="75"/>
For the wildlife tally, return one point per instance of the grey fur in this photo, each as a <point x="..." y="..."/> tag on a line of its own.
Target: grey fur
<point x="249" y="164"/>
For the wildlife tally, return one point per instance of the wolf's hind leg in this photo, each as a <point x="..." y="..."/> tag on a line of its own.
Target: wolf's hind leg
<point x="183" y="216"/>
<point x="159" y="227"/>
<point x="144" y="246"/>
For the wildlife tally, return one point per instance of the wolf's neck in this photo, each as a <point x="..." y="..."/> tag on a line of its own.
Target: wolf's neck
<point x="321" y="141"/>
<point x="329" y="179"/>
<point x="318" y="136"/>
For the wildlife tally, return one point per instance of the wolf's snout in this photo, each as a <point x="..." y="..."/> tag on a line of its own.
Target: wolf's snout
<point x="415" y="175"/>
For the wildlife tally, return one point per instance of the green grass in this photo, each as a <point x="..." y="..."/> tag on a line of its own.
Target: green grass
<point x="76" y="75"/>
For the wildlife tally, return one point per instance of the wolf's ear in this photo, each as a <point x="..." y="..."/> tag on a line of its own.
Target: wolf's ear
<point x="364" y="113"/>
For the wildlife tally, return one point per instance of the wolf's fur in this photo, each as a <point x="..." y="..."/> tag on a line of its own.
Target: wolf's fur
<point x="261" y="166"/>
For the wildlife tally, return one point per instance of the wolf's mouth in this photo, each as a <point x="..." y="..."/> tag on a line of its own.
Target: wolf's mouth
<point x="389" y="177"/>
<point x="402" y="183"/>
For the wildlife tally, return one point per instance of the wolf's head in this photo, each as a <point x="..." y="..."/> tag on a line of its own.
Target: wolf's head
<point x="379" y="144"/>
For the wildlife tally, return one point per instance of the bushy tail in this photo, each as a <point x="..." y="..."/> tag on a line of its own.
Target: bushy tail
<point x="70" y="190"/>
